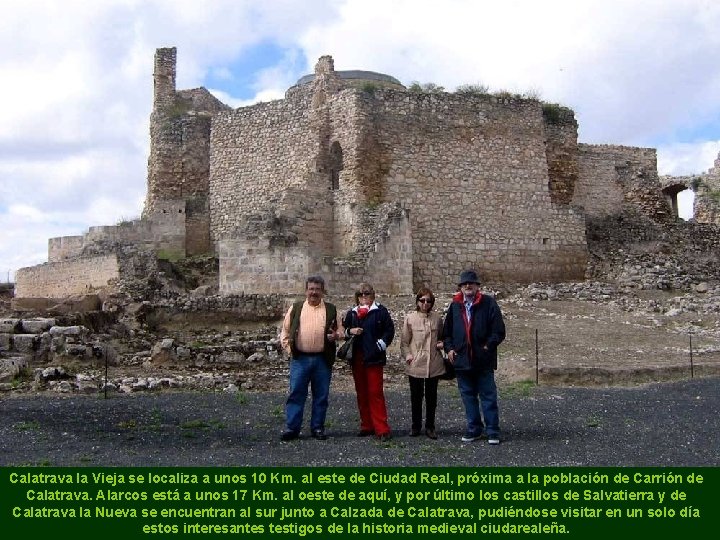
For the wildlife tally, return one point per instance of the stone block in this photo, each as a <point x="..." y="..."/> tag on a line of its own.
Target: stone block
<point x="52" y="373"/>
<point x="11" y="367"/>
<point x="10" y="326"/>
<point x="67" y="331"/>
<point x="25" y="343"/>
<point x="78" y="350"/>
<point x="77" y="304"/>
<point x="37" y="326"/>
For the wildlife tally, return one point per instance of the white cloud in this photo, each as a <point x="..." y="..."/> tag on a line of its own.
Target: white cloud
<point x="681" y="159"/>
<point x="77" y="80"/>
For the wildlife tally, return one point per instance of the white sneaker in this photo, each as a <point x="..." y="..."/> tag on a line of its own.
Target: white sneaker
<point x="470" y="438"/>
<point x="494" y="439"/>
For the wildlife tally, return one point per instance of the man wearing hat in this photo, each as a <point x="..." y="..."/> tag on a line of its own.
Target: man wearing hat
<point x="473" y="329"/>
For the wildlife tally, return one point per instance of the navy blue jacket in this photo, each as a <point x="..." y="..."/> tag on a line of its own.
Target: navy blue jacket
<point x="377" y="324"/>
<point x="475" y="342"/>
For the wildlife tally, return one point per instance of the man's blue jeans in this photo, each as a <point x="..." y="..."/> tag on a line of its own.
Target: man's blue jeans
<point x="479" y="384"/>
<point x="308" y="369"/>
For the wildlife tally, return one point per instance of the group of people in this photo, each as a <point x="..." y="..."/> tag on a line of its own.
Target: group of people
<point x="468" y="337"/>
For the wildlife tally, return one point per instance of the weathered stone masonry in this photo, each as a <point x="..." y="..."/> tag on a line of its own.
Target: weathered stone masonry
<point x="355" y="177"/>
<point x="470" y="176"/>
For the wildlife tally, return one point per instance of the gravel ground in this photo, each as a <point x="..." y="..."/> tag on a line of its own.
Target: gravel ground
<point x="664" y="424"/>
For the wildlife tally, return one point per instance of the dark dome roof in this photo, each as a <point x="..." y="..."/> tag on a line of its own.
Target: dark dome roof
<point x="354" y="76"/>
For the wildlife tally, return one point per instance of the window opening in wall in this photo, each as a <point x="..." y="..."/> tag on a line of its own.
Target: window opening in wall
<point x="686" y="204"/>
<point x="680" y="198"/>
<point x="336" y="165"/>
<point x="545" y="240"/>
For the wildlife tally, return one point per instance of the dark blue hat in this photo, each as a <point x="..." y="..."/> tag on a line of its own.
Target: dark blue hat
<point x="468" y="276"/>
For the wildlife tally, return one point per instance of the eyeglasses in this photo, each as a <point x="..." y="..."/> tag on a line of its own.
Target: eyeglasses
<point x="426" y="300"/>
<point x="467" y="284"/>
<point x="366" y="293"/>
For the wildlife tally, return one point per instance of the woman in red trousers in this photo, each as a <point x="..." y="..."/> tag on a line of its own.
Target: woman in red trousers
<point x="373" y="327"/>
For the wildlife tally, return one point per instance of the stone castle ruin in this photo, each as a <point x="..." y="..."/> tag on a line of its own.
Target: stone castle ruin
<point x="355" y="177"/>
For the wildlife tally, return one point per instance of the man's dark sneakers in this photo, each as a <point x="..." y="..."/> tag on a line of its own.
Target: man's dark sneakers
<point x="431" y="433"/>
<point x="319" y="434"/>
<point x="365" y="433"/>
<point x="414" y="432"/>
<point x="289" y="435"/>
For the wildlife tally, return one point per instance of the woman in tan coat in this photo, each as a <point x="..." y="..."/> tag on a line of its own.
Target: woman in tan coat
<point x="421" y="345"/>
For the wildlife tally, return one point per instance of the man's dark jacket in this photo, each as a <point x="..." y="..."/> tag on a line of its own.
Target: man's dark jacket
<point x="484" y="331"/>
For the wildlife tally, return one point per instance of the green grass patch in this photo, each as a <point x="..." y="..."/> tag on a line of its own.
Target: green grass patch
<point x="128" y="424"/>
<point x="519" y="389"/>
<point x="32" y="425"/>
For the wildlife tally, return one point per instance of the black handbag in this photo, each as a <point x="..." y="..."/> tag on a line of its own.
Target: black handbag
<point x="346" y="349"/>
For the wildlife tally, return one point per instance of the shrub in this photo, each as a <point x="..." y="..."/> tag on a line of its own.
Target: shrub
<point x="473" y="89"/>
<point x="426" y="88"/>
<point x="369" y="88"/>
<point x="552" y="112"/>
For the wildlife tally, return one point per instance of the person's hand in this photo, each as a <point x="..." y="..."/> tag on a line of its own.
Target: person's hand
<point x="409" y="358"/>
<point x="356" y="331"/>
<point x="451" y="357"/>
<point x="332" y="336"/>
<point x="439" y="345"/>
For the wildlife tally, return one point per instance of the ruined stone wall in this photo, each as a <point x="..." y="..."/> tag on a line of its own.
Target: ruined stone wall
<point x="67" y="278"/>
<point x="65" y="247"/>
<point x="259" y="153"/>
<point x="472" y="172"/>
<point x="163" y="231"/>
<point x="179" y="161"/>
<point x="618" y="179"/>
<point x="255" y="264"/>
<point x="707" y="196"/>
<point x="178" y="170"/>
<point x="561" y="152"/>
<point x="384" y="257"/>
<point x="354" y="126"/>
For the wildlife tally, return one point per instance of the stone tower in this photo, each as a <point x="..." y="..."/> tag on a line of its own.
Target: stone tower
<point x="179" y="162"/>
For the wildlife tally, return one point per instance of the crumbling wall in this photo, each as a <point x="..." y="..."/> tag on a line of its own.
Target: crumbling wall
<point x="162" y="231"/>
<point x="561" y="151"/>
<point x="620" y="179"/>
<point x="259" y="152"/>
<point x="383" y="254"/>
<point x="179" y="161"/>
<point x="707" y="195"/>
<point x="472" y="172"/>
<point x="67" y="278"/>
<point x="65" y="247"/>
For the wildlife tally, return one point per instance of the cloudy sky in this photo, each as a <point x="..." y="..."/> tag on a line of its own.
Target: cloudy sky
<point x="77" y="81"/>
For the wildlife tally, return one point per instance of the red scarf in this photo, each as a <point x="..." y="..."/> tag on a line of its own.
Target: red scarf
<point x="363" y="311"/>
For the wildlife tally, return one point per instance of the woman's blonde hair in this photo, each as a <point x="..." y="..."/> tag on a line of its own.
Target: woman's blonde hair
<point x="363" y="287"/>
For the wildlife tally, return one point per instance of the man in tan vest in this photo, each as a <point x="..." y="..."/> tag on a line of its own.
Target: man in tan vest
<point x="309" y="333"/>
